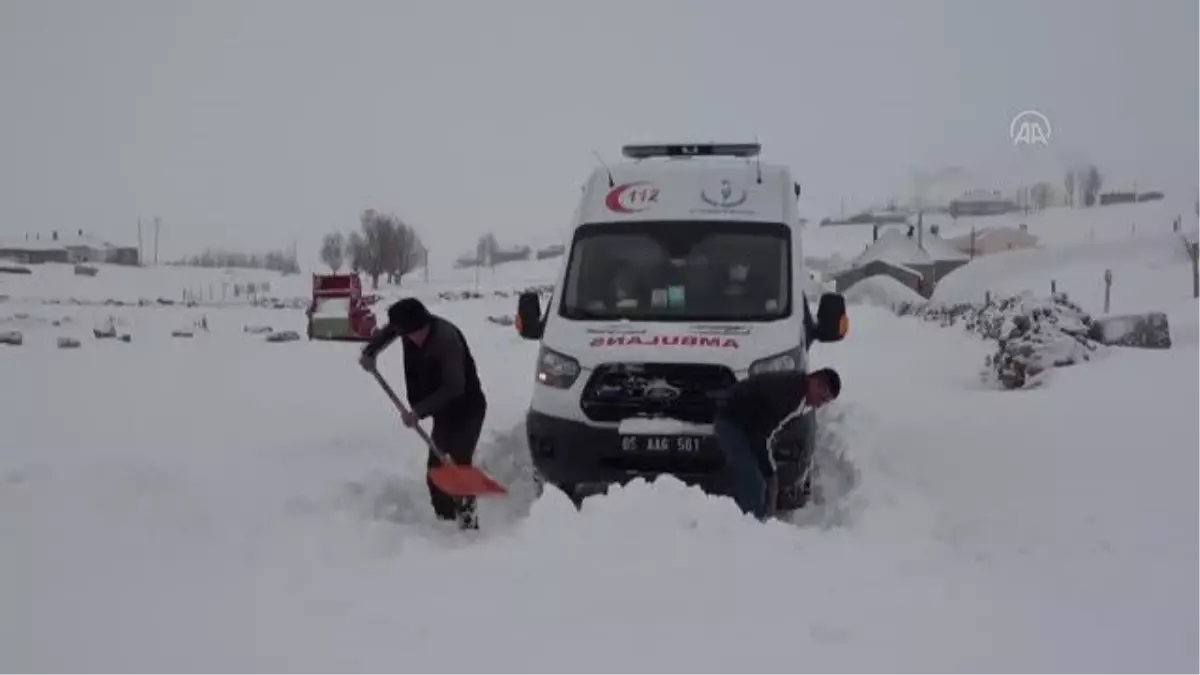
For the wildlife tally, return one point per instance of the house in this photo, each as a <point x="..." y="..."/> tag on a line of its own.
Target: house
<point x="77" y="248"/>
<point x="915" y="260"/>
<point x="981" y="203"/>
<point x="993" y="240"/>
<point x="900" y="272"/>
<point x="33" y="251"/>
<point x="944" y="257"/>
<point x="85" y="248"/>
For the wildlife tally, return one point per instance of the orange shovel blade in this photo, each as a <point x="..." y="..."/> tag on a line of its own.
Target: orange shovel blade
<point x="465" y="481"/>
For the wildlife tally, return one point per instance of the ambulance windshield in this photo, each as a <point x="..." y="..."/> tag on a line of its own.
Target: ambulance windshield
<point x="679" y="271"/>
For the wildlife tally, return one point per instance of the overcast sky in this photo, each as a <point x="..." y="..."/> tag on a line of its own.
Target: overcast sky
<point x="248" y="122"/>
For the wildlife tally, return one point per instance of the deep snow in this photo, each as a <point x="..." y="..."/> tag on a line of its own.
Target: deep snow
<point x="222" y="503"/>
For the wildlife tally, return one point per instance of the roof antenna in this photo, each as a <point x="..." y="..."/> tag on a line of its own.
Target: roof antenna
<point x="611" y="182"/>
<point x="758" y="161"/>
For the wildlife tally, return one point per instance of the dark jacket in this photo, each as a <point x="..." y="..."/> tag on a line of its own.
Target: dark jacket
<point x="440" y="375"/>
<point x="759" y="403"/>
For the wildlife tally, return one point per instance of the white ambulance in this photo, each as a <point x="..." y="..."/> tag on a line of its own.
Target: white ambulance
<point x="684" y="274"/>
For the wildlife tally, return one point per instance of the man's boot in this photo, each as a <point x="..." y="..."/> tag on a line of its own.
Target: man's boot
<point x="465" y="515"/>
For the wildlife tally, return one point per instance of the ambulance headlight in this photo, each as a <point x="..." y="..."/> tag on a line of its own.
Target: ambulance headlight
<point x="789" y="360"/>
<point x="556" y="370"/>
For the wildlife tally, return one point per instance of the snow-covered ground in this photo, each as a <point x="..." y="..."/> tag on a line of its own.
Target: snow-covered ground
<point x="221" y="503"/>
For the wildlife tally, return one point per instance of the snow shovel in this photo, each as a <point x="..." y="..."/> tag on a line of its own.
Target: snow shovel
<point x="456" y="480"/>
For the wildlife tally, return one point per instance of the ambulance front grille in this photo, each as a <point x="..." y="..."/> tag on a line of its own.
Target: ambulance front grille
<point x="684" y="391"/>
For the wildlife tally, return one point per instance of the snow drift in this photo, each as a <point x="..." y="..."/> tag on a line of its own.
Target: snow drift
<point x="882" y="291"/>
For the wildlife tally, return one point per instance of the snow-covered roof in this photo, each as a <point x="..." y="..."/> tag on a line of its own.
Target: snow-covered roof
<point x="23" y="244"/>
<point x="941" y="250"/>
<point x="882" y="290"/>
<point x="901" y="267"/>
<point x="84" y="240"/>
<point x="48" y="243"/>
<point x="894" y="246"/>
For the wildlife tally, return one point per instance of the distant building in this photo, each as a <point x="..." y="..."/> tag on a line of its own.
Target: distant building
<point x="77" y="248"/>
<point x="993" y="240"/>
<point x="33" y="252"/>
<point x="981" y="203"/>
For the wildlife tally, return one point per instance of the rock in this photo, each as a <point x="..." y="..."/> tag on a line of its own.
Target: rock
<point x="1148" y="331"/>
<point x="126" y="338"/>
<point x="68" y="343"/>
<point x="284" y="336"/>
<point x="109" y="330"/>
<point x="11" y="337"/>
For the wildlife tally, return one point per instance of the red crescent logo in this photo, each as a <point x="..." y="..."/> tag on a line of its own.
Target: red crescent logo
<point x="614" y="199"/>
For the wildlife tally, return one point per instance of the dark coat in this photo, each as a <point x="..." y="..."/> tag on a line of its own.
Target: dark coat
<point x="440" y="375"/>
<point x="759" y="404"/>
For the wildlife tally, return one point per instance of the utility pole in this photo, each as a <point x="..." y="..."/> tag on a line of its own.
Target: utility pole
<point x="141" y="255"/>
<point x="1194" y="254"/>
<point x="157" y="223"/>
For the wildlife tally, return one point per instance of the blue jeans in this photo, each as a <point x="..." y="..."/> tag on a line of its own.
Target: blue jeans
<point x="749" y="486"/>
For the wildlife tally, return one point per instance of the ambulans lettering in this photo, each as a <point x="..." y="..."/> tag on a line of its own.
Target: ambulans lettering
<point x="713" y="341"/>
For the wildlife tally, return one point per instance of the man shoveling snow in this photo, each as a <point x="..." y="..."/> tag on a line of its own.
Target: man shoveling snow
<point x="753" y="412"/>
<point x="442" y="383"/>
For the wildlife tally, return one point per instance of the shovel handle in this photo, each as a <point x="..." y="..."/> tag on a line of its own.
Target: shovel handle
<point x="391" y="393"/>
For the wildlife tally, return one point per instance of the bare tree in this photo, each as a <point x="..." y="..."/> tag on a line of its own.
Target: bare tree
<point x="374" y="234"/>
<point x="1069" y="182"/>
<point x="1041" y="194"/>
<point x="406" y="250"/>
<point x="486" y="249"/>
<point x="278" y="261"/>
<point x="333" y="250"/>
<point x="1092" y="183"/>
<point x="389" y="246"/>
<point x="356" y="251"/>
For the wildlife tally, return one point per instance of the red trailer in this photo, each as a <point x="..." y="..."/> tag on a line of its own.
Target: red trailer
<point x="339" y="310"/>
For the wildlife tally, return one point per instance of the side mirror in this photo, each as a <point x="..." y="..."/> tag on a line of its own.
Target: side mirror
<point x="529" y="316"/>
<point x="832" y="322"/>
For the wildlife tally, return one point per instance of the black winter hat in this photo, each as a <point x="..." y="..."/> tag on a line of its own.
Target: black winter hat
<point x="409" y="315"/>
<point x="834" y="380"/>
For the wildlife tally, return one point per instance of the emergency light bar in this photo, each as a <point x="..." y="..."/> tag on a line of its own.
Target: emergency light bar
<point x="646" y="150"/>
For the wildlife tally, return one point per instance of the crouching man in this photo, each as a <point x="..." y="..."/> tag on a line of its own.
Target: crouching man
<point x="442" y="383"/>
<point x="751" y="413"/>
